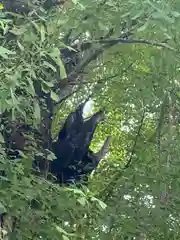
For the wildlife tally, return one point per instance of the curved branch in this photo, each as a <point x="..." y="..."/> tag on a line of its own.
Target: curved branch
<point x="107" y="44"/>
<point x="133" y="41"/>
<point x="104" y="150"/>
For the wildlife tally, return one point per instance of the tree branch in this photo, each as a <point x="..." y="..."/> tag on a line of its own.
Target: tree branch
<point x="107" y="44"/>
<point x="67" y="96"/>
<point x="104" y="149"/>
<point x="135" y="41"/>
<point x="95" y="53"/>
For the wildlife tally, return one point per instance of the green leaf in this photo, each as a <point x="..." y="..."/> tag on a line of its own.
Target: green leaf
<point x="163" y="16"/>
<point x="20" y="46"/>
<point x="54" y="96"/>
<point x="65" y="237"/>
<point x="61" y="230"/>
<point x="62" y="70"/>
<point x="37" y="111"/>
<point x="37" y="27"/>
<point x="4" y="52"/>
<point x="55" y="55"/>
<point x="76" y="191"/>
<point x="1" y="138"/>
<point x="175" y="14"/>
<point x="2" y="209"/>
<point x="138" y="15"/>
<point x="49" y="84"/>
<point x="63" y="45"/>
<point x="45" y="88"/>
<point x="30" y="37"/>
<point x="102" y="26"/>
<point x="50" y="156"/>
<point x="30" y="87"/>
<point x="102" y="205"/>
<point x="43" y="32"/>
<point x="82" y="201"/>
<point x="49" y="65"/>
<point x="18" y="31"/>
<point x="143" y="27"/>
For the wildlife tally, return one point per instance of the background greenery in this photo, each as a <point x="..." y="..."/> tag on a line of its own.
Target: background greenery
<point x="129" y="61"/>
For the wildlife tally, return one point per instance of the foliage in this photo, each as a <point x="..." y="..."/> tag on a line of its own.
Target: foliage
<point x="128" y="60"/>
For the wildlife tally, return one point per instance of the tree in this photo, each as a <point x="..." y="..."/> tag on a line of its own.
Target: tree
<point x="125" y="55"/>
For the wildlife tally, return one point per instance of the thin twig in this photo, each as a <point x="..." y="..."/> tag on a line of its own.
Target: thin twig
<point x="135" y="142"/>
<point x="110" y="187"/>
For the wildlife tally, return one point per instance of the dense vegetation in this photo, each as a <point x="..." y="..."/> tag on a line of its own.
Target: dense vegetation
<point x="124" y="55"/>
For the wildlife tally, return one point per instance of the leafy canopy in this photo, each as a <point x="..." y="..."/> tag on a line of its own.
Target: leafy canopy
<point x="129" y="61"/>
